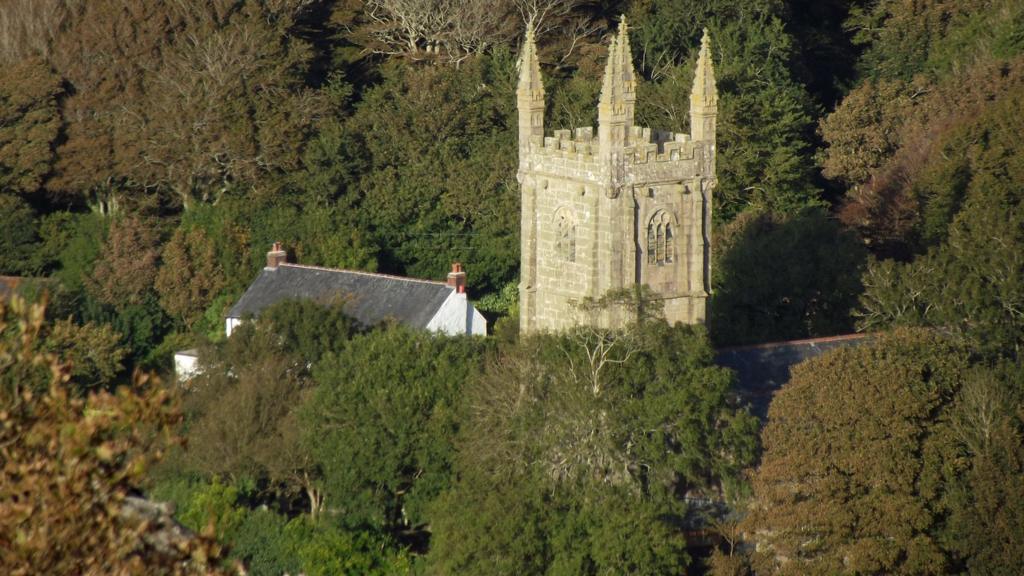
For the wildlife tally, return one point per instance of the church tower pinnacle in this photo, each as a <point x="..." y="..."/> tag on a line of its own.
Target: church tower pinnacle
<point x="704" y="97"/>
<point x="616" y="108"/>
<point x="530" y="93"/>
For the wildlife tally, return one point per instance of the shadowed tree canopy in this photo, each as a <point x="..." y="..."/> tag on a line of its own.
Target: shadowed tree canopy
<point x="784" y="277"/>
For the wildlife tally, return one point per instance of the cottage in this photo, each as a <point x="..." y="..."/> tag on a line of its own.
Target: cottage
<point x="369" y="298"/>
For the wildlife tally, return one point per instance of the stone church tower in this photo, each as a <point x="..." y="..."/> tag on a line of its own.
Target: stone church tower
<point x="629" y="206"/>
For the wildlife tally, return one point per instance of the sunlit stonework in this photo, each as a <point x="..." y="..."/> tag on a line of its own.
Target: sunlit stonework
<point x="626" y="206"/>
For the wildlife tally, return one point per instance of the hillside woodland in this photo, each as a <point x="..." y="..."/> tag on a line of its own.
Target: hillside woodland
<point x="871" y="178"/>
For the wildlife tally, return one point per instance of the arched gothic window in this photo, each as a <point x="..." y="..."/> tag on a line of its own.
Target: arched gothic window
<point x="565" y="239"/>
<point x="660" y="239"/>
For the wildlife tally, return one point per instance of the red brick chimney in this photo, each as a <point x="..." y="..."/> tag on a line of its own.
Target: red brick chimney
<point x="457" y="278"/>
<point x="276" y="256"/>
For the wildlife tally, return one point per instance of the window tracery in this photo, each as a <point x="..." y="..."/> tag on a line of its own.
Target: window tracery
<point x="660" y="239"/>
<point x="565" y="239"/>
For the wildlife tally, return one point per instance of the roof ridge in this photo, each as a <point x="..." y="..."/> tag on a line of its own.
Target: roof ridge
<point x="780" y="343"/>
<point x="376" y="274"/>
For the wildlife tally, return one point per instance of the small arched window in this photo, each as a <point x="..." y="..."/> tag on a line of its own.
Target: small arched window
<point x="565" y="239"/>
<point x="660" y="239"/>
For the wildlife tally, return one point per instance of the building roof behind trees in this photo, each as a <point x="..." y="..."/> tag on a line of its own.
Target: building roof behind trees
<point x="762" y="369"/>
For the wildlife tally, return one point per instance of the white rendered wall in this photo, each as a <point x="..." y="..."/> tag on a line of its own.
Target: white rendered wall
<point x="230" y="324"/>
<point x="457" y="316"/>
<point x="186" y="365"/>
<point x="477" y="323"/>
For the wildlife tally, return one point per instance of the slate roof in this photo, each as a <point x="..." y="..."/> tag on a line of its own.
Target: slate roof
<point x="370" y="298"/>
<point x="762" y="369"/>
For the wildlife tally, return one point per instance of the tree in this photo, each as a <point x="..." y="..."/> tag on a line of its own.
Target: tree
<point x="311" y="330"/>
<point x="238" y="405"/>
<point x="383" y="418"/>
<point x="784" y="277"/>
<point x="27" y="28"/>
<point x="498" y="526"/>
<point x="864" y="131"/>
<point x="244" y="406"/>
<point x="454" y="30"/>
<point x="988" y="506"/>
<point x="225" y="104"/>
<point x="101" y="50"/>
<point x="29" y="124"/>
<point x="419" y="28"/>
<point x="273" y="544"/>
<point x="899" y="37"/>
<point x="553" y="471"/>
<point x="77" y="241"/>
<point x="899" y="456"/>
<point x="439" y="185"/>
<point x="70" y="466"/>
<point x="970" y="282"/>
<point x="19" y="242"/>
<point x="93" y="352"/>
<point x="890" y="140"/>
<point x="851" y="479"/>
<point x="765" y="114"/>
<point x="126" y="267"/>
<point x="189" y="277"/>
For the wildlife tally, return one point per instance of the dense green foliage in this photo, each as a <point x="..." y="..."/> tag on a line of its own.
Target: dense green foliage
<point x="765" y="118"/>
<point x="577" y="450"/>
<point x="381" y="423"/>
<point x="393" y="448"/>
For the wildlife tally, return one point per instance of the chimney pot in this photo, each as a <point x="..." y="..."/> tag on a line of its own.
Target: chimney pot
<point x="276" y="256"/>
<point x="457" y="278"/>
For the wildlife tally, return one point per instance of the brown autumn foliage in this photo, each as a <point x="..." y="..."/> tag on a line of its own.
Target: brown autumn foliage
<point x="126" y="269"/>
<point x="864" y="131"/>
<point x="225" y="102"/>
<point x="71" y="465"/>
<point x="972" y="282"/>
<point x="896" y="457"/>
<point x="102" y="49"/>
<point x="29" y="124"/>
<point x="190" y="276"/>
<point x="850" y="480"/>
<point x="886" y="135"/>
<point x="188" y="97"/>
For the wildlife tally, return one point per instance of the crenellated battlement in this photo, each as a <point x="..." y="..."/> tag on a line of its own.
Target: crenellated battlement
<point x="643" y="146"/>
<point x="649" y="145"/>
<point x="580" y="141"/>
